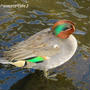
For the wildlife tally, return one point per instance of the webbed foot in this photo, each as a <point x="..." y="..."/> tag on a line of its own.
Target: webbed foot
<point x="50" y="76"/>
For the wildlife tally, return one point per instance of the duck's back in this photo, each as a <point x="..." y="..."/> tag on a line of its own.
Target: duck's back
<point x="40" y="44"/>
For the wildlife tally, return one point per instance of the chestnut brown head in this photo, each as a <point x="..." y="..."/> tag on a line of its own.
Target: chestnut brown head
<point x="63" y="28"/>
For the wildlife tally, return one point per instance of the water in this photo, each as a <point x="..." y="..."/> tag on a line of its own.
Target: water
<point x="17" y="24"/>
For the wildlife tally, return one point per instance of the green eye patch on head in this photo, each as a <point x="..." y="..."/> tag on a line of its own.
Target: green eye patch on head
<point x="60" y="28"/>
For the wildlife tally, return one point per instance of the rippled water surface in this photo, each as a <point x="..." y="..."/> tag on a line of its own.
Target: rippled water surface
<point x="17" y="24"/>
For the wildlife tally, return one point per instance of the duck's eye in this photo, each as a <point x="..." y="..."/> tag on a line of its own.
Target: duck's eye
<point x="65" y="28"/>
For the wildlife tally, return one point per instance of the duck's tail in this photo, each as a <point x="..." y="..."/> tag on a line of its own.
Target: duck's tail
<point x="4" y="61"/>
<point x="19" y="63"/>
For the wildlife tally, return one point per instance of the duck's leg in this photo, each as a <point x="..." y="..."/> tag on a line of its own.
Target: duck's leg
<point x="50" y="76"/>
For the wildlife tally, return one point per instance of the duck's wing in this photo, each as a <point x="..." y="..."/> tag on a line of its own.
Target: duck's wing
<point x="43" y="43"/>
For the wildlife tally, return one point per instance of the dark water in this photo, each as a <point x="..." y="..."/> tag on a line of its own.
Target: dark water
<point x="17" y="24"/>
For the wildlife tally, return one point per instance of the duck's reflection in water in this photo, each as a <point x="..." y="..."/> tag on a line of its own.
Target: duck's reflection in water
<point x="37" y="81"/>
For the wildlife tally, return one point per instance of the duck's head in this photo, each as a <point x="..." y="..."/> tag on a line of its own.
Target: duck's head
<point x="63" y="28"/>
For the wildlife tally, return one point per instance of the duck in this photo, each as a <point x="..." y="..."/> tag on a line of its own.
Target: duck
<point x="45" y="50"/>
